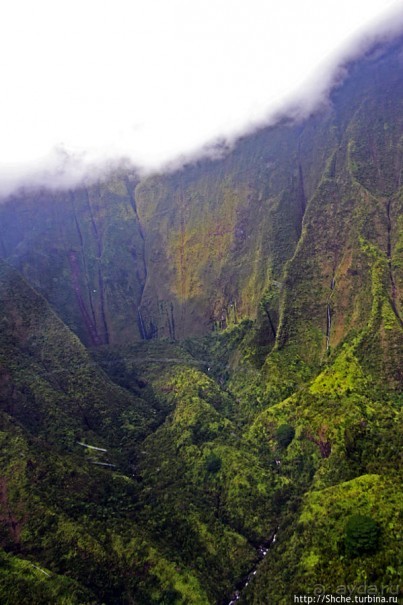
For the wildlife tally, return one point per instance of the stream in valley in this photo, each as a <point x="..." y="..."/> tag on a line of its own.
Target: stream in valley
<point x="262" y="551"/>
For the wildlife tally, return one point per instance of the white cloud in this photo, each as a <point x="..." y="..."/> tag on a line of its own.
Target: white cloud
<point x="155" y="79"/>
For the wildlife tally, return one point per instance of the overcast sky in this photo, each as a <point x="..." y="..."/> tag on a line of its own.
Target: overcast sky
<point x="156" y="79"/>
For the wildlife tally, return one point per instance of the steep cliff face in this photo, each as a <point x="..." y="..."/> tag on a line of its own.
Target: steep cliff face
<point x="343" y="280"/>
<point x="279" y="218"/>
<point x="175" y="256"/>
<point x="84" y="250"/>
<point x="219" y="233"/>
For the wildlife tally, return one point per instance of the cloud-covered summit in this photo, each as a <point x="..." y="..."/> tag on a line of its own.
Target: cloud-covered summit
<point x="87" y="84"/>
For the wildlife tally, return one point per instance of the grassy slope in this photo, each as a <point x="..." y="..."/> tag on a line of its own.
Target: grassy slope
<point x="344" y="460"/>
<point x="61" y="512"/>
<point x="160" y="526"/>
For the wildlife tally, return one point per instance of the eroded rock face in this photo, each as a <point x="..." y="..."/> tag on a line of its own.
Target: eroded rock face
<point x="170" y="257"/>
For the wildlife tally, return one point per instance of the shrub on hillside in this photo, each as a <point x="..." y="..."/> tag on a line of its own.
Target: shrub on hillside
<point x="361" y="536"/>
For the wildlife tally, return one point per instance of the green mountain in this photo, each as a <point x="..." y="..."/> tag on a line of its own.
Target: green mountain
<point x="193" y="363"/>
